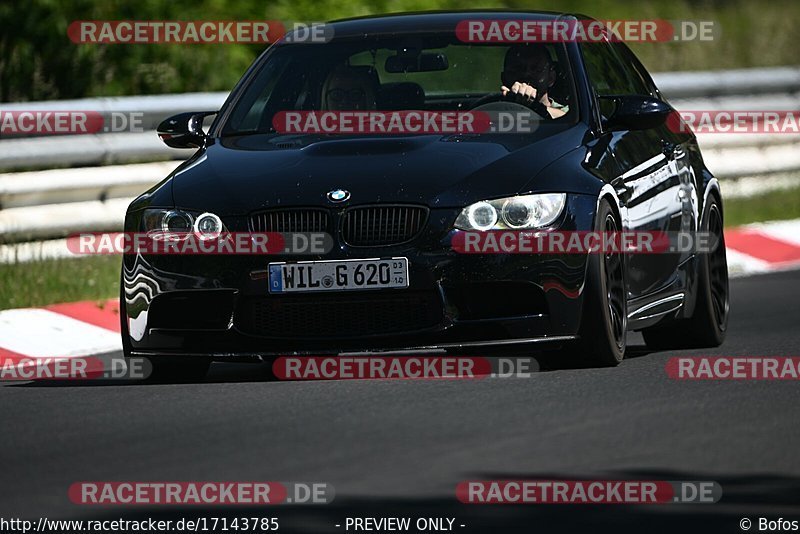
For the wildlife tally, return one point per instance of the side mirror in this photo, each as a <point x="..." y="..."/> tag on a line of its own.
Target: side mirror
<point x="184" y="130"/>
<point x="633" y="112"/>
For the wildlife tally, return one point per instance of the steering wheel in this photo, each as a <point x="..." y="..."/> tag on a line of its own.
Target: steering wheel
<point x="510" y="102"/>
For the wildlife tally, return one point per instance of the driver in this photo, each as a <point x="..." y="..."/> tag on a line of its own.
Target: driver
<point x="528" y="73"/>
<point x="349" y="88"/>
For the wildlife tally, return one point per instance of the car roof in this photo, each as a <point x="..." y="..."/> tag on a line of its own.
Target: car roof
<point x="433" y="21"/>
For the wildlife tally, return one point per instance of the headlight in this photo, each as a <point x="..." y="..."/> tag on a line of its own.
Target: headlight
<point x="176" y="221"/>
<point x="207" y="226"/>
<point x="481" y="216"/>
<point x="517" y="213"/>
<point x="179" y="224"/>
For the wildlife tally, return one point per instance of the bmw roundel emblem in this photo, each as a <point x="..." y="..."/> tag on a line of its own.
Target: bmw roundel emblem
<point x="338" y="195"/>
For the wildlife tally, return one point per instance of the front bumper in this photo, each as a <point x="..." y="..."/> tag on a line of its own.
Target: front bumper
<point x="220" y="305"/>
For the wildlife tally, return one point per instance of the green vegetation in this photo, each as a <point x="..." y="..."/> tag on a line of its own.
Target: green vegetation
<point x="39" y="62"/>
<point x="772" y="206"/>
<point x="61" y="280"/>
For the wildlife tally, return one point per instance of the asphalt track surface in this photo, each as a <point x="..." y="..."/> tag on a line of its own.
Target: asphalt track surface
<point x="398" y="448"/>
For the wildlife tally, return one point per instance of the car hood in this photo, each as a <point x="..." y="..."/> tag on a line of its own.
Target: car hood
<point x="236" y="175"/>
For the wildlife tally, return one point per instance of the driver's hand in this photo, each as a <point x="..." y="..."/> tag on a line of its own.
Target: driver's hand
<point x="523" y="91"/>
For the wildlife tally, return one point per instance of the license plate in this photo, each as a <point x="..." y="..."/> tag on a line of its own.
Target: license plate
<point x="338" y="275"/>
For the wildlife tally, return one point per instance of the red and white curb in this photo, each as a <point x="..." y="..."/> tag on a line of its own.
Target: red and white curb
<point x="90" y="328"/>
<point x="763" y="247"/>
<point x="76" y="329"/>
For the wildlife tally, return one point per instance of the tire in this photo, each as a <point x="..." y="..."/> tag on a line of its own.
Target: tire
<point x="604" y="319"/>
<point x="174" y="369"/>
<point x="709" y="322"/>
<point x="163" y="368"/>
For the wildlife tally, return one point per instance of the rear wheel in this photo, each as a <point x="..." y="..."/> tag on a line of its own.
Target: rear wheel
<point x="709" y="321"/>
<point x="604" y="321"/>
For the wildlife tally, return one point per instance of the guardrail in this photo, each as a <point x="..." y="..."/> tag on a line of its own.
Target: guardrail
<point x="777" y="88"/>
<point x="51" y="203"/>
<point x="153" y="108"/>
<point x="693" y="84"/>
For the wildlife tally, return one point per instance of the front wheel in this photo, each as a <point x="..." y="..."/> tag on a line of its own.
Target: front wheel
<point x="178" y="369"/>
<point x="604" y="320"/>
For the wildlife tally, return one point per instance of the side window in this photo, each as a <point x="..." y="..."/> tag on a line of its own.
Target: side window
<point x="637" y="69"/>
<point x="609" y="74"/>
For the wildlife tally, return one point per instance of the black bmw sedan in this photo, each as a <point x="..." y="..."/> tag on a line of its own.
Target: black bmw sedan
<point x="599" y="157"/>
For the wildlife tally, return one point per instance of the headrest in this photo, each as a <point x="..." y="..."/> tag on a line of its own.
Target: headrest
<point x="350" y="80"/>
<point x="401" y="95"/>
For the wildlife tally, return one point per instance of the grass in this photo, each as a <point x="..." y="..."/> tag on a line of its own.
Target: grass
<point x="59" y="280"/>
<point x="775" y="205"/>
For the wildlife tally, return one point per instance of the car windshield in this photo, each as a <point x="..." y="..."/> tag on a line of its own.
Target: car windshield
<point x="391" y="73"/>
